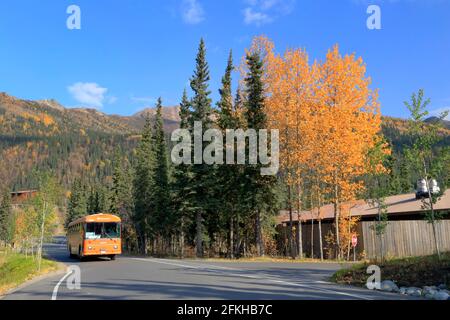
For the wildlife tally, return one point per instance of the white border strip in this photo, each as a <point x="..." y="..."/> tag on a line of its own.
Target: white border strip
<point x="56" y="288"/>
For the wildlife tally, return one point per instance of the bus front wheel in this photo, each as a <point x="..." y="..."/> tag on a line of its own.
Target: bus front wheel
<point x="71" y="255"/>
<point x="80" y="254"/>
<point x="112" y="257"/>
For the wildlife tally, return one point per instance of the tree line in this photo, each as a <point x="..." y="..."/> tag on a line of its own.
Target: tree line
<point x="332" y="150"/>
<point x="227" y="210"/>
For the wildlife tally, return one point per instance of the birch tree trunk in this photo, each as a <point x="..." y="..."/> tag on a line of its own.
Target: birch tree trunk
<point x="319" y="218"/>
<point x="259" y="244"/>
<point x="41" y="242"/>
<point x="231" y="245"/>
<point x="300" y="235"/>
<point x="198" y="238"/>
<point x="433" y="221"/>
<point x="337" y="217"/>
<point x="290" y="230"/>
<point x="238" y="238"/>
<point x="182" y="238"/>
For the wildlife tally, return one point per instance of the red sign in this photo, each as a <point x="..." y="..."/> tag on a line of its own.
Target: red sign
<point x="354" y="240"/>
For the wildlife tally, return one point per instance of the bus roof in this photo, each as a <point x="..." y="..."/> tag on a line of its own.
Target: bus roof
<point x="100" y="217"/>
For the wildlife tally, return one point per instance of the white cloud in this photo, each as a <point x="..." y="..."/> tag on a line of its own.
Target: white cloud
<point x="254" y="17"/>
<point x="280" y="4"/>
<point x="89" y="94"/>
<point x="192" y="11"/>
<point x="260" y="12"/>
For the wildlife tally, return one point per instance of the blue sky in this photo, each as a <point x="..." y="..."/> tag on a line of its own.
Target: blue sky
<point x="129" y="52"/>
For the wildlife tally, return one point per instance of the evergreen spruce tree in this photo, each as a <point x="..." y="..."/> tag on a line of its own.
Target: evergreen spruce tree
<point x="181" y="201"/>
<point x="117" y="187"/>
<point x="121" y="198"/>
<point x="161" y="176"/>
<point x="120" y="193"/>
<point x="202" y="174"/>
<point x="226" y="118"/>
<point x="405" y="177"/>
<point x="260" y="190"/>
<point x="143" y="186"/>
<point x="78" y="202"/>
<point x="229" y="176"/>
<point x="96" y="200"/>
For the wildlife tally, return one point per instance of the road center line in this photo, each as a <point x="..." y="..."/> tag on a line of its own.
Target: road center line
<point x="259" y="276"/>
<point x="56" y="288"/>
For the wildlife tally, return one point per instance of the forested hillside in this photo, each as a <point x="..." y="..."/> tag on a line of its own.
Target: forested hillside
<point x="70" y="142"/>
<point x="395" y="131"/>
<point x="81" y="142"/>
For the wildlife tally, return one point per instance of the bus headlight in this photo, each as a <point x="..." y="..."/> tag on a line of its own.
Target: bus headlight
<point x="90" y="248"/>
<point x="116" y="247"/>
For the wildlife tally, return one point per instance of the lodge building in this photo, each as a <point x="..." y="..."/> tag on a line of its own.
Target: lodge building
<point x="407" y="232"/>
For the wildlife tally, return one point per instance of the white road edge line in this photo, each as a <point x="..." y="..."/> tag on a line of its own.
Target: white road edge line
<point x="218" y="268"/>
<point x="56" y="288"/>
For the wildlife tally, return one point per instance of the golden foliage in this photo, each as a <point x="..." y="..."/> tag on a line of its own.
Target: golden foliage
<point x="328" y="118"/>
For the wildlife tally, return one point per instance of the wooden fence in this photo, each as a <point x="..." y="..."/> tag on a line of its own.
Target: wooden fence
<point x="405" y="238"/>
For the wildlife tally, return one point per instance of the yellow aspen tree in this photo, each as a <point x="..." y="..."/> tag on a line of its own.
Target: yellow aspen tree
<point x="352" y="121"/>
<point x="288" y="87"/>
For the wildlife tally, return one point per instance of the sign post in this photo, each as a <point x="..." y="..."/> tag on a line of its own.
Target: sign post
<point x="354" y="243"/>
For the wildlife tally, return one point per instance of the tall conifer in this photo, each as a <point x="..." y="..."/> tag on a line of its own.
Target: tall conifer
<point x="202" y="174"/>
<point x="143" y="186"/>
<point x="259" y="190"/>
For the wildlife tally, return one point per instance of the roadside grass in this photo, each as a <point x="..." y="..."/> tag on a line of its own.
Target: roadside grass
<point x="16" y="269"/>
<point x="411" y="271"/>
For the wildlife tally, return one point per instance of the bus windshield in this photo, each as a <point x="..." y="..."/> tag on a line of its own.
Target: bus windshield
<point x="102" y="230"/>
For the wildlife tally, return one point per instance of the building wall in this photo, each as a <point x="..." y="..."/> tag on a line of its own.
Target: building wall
<point x="405" y="238"/>
<point x="311" y="239"/>
<point x="402" y="238"/>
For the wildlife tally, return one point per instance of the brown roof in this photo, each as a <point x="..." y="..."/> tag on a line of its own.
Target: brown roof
<point x="399" y="204"/>
<point x="23" y="192"/>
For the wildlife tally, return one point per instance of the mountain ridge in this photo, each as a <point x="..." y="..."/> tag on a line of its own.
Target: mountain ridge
<point x="50" y="111"/>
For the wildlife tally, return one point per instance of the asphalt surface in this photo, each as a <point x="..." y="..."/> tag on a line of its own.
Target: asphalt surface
<point x="150" y="278"/>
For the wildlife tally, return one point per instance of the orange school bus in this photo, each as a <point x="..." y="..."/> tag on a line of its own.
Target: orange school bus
<point x="95" y="235"/>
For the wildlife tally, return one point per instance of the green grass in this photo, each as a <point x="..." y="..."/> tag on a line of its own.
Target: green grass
<point x="412" y="271"/>
<point x="16" y="269"/>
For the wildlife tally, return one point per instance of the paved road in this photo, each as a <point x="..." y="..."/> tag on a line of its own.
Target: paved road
<point x="149" y="278"/>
